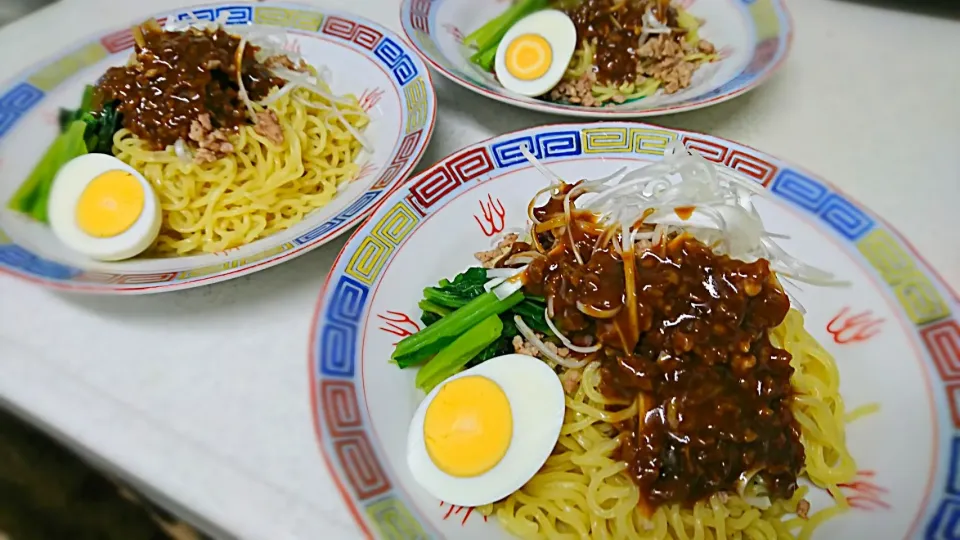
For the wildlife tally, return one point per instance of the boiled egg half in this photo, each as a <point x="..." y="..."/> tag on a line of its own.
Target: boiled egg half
<point x="535" y="52"/>
<point x="103" y="208"/>
<point x="483" y="433"/>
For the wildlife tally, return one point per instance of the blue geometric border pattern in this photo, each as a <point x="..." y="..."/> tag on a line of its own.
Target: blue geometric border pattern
<point x="801" y="190"/>
<point x="953" y="479"/>
<point x="809" y="194"/>
<point x="235" y="14"/>
<point x="338" y="338"/>
<point x="17" y="102"/>
<point x="395" y="58"/>
<point x="545" y="145"/>
<point x="21" y="97"/>
<point x="15" y="257"/>
<point x="351" y="211"/>
<point x="945" y="524"/>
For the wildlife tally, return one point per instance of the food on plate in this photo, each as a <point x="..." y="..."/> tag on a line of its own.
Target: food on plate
<point x="624" y="49"/>
<point x="535" y="52"/>
<point x="696" y="404"/>
<point x="481" y="434"/>
<point x="238" y="138"/>
<point x="103" y="208"/>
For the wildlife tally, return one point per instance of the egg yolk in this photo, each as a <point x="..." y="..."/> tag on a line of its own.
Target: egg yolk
<point x="528" y="57"/>
<point x="110" y="204"/>
<point x="468" y="426"/>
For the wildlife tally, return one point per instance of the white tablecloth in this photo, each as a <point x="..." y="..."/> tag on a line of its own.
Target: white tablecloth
<point x="201" y="397"/>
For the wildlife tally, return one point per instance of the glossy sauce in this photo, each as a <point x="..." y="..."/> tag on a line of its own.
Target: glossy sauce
<point x="180" y="76"/>
<point x="617" y="26"/>
<point x="715" y="390"/>
<point x="684" y="212"/>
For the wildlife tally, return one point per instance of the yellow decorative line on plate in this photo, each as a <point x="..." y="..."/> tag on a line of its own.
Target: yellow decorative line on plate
<point x="914" y="290"/>
<point x="639" y="140"/>
<point x="290" y="18"/>
<point x="207" y="270"/>
<point x="51" y="76"/>
<point x="394" y="521"/>
<point x="765" y="18"/>
<point x="369" y="259"/>
<point x="416" y="93"/>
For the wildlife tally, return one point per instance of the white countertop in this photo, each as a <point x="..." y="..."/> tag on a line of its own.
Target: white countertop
<point x="201" y="397"/>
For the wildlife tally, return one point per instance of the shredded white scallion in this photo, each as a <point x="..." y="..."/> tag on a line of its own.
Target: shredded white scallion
<point x="564" y="339"/>
<point x="567" y="212"/>
<point x="274" y="97"/>
<point x="651" y="25"/>
<point x="309" y="82"/>
<point x="504" y="273"/>
<point x="723" y="214"/>
<point x="243" y="89"/>
<point x="547" y="173"/>
<point x="532" y="339"/>
<point x="183" y="152"/>
<point x="493" y="283"/>
<point x="508" y="287"/>
<point x="501" y="277"/>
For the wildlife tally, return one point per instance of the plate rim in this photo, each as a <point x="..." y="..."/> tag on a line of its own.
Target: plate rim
<point x="231" y="267"/>
<point x="928" y="514"/>
<point x="601" y="113"/>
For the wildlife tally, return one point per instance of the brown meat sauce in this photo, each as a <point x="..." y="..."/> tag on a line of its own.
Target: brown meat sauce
<point x="179" y="76"/>
<point x="617" y="27"/>
<point x="714" y="391"/>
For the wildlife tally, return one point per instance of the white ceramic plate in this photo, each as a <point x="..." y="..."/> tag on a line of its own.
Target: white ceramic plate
<point x="364" y="58"/>
<point x="753" y="37"/>
<point x="895" y="332"/>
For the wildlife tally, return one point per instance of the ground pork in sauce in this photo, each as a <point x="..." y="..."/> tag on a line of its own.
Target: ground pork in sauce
<point x="714" y="391"/>
<point x="184" y="86"/>
<point x="624" y="54"/>
<point x="490" y="258"/>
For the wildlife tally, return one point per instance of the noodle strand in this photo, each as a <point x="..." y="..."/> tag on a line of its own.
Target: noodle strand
<point x="259" y="189"/>
<point x="583" y="492"/>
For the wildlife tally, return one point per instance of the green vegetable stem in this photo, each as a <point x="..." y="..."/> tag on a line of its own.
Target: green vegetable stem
<point x="450" y="295"/>
<point x="416" y="348"/>
<point x="457" y="354"/>
<point x="485" y="59"/>
<point x="444" y="298"/>
<point x="101" y="131"/>
<point x="483" y="34"/>
<point x="31" y="197"/>
<point x="432" y="312"/>
<point x="69" y="116"/>
<point x="487" y="37"/>
<point x="449" y="300"/>
<point x="82" y="131"/>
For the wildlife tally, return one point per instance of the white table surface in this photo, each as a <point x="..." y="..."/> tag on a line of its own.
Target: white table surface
<point x="201" y="397"/>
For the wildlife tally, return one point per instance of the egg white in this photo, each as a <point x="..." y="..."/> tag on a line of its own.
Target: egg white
<point x="70" y="182"/>
<point x="554" y="26"/>
<point x="537" y="404"/>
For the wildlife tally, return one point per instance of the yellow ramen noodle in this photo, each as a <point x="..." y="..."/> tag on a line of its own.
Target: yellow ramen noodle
<point x="583" y="492"/>
<point x="259" y="189"/>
